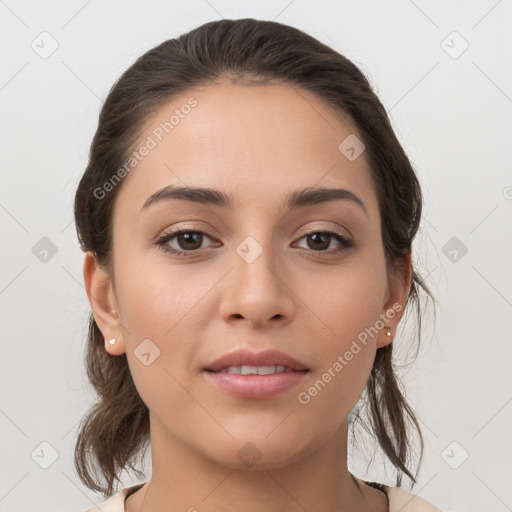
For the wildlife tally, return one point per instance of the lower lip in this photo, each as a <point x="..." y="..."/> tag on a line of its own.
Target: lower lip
<point x="257" y="387"/>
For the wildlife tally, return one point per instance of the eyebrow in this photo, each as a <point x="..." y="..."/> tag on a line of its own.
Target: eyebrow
<point x="294" y="199"/>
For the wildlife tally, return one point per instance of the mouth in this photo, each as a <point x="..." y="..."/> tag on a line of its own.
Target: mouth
<point x="255" y="375"/>
<point x="246" y="362"/>
<point x="256" y="370"/>
<point x="254" y="386"/>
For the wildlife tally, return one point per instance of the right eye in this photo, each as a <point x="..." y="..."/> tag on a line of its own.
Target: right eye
<point x="189" y="240"/>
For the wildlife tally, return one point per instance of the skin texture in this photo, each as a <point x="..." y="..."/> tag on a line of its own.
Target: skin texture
<point x="256" y="143"/>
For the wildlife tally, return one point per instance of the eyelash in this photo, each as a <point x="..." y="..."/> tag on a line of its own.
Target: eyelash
<point x="166" y="237"/>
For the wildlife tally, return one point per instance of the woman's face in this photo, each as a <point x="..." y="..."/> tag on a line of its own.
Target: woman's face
<point x="258" y="278"/>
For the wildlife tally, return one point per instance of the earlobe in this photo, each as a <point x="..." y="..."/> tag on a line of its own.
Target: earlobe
<point x="102" y="298"/>
<point x="385" y="337"/>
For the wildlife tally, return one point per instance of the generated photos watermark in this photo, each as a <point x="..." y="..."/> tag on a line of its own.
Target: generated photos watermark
<point x="304" y="397"/>
<point x="151" y="142"/>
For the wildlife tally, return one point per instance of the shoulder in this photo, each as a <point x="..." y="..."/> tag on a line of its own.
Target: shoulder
<point x="404" y="501"/>
<point x="399" y="499"/>
<point x="116" y="502"/>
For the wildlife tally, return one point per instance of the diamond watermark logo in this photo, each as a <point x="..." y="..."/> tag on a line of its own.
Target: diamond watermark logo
<point x="454" y="455"/>
<point x="352" y="147"/>
<point x="147" y="352"/>
<point x="44" y="250"/>
<point x="454" y="249"/>
<point x="249" y="250"/>
<point x="44" y="455"/>
<point x="249" y="455"/>
<point x="454" y="45"/>
<point x="45" y="45"/>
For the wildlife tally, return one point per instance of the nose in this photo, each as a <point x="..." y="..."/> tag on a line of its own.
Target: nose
<point x="257" y="291"/>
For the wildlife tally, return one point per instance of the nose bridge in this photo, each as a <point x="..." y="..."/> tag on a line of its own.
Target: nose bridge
<point x="255" y="265"/>
<point x="255" y="290"/>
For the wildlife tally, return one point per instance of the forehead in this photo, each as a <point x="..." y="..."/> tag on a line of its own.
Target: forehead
<point x="250" y="141"/>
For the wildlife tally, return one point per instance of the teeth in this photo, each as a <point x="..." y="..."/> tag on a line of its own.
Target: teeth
<point x="254" y="370"/>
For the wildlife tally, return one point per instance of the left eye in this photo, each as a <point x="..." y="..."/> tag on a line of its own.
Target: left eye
<point x="320" y="240"/>
<point x="191" y="241"/>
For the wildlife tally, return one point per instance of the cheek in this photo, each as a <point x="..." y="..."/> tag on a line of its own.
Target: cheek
<point x="343" y="303"/>
<point x="163" y="316"/>
<point x="344" y="309"/>
<point x="157" y="299"/>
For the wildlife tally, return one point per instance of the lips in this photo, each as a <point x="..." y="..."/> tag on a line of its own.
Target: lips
<point x="244" y="357"/>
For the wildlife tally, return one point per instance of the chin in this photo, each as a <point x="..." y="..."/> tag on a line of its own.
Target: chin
<point x="258" y="453"/>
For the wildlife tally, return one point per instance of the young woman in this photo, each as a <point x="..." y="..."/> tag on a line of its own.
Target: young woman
<point x="247" y="216"/>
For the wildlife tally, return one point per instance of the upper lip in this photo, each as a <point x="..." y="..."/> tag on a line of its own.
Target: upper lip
<point x="244" y="357"/>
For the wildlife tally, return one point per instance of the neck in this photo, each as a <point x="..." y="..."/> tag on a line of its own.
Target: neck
<point x="183" y="479"/>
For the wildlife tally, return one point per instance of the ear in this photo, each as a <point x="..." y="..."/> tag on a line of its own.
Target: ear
<point x="399" y="285"/>
<point x="101" y="294"/>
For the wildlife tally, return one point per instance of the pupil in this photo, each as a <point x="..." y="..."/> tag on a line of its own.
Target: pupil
<point x="190" y="238"/>
<point x="317" y="236"/>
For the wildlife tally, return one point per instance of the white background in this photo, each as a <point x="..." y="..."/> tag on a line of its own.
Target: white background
<point x="454" y="118"/>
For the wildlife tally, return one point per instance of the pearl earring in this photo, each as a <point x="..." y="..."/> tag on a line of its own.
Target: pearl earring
<point x="388" y="332"/>
<point x="112" y="341"/>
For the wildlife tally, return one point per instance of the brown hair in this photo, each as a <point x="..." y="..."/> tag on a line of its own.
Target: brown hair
<point x="116" y="429"/>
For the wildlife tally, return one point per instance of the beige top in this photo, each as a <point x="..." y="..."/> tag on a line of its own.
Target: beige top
<point x="399" y="499"/>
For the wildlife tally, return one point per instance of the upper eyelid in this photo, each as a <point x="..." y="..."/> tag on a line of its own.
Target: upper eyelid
<point x="191" y="227"/>
<point x="195" y="229"/>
